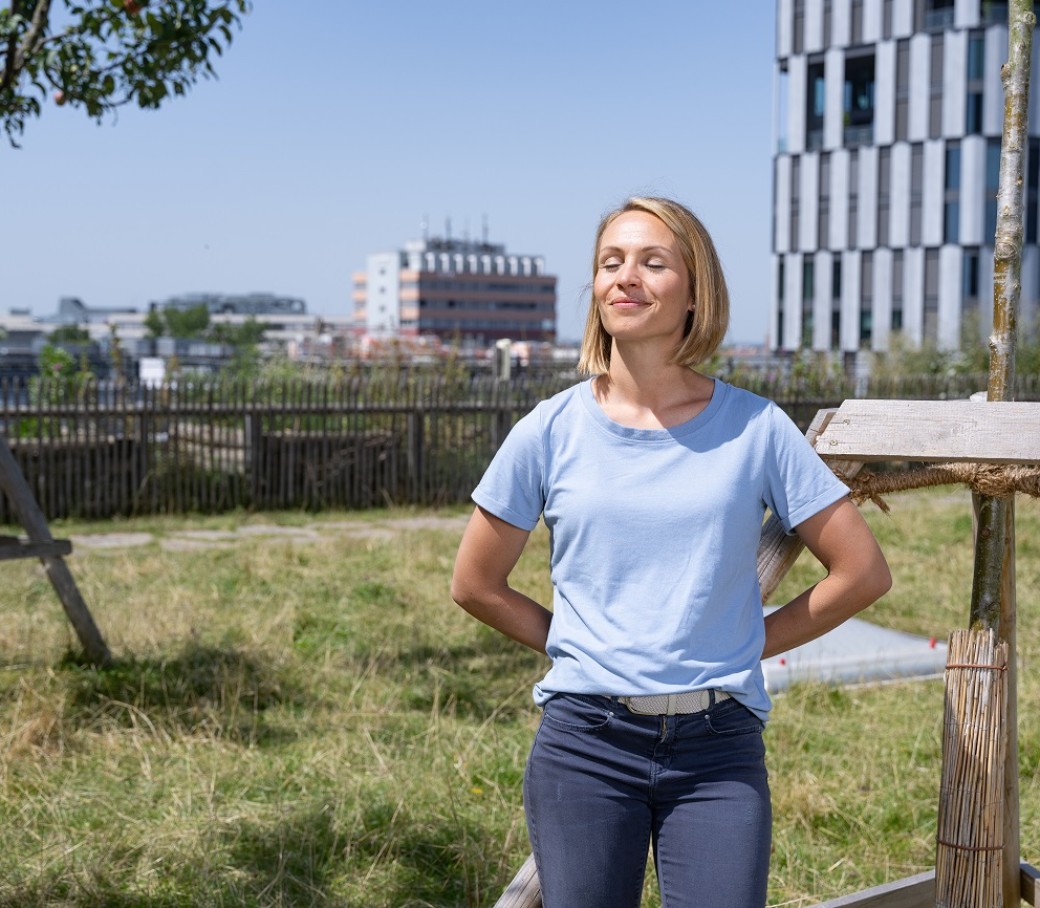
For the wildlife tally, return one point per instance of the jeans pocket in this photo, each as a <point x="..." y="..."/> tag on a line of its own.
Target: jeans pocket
<point x="731" y="717"/>
<point x="574" y="712"/>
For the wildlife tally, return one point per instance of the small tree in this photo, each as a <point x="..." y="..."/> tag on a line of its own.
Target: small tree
<point x="102" y="54"/>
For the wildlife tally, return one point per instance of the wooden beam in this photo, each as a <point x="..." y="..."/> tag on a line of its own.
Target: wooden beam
<point x="524" y="891"/>
<point x="912" y="892"/>
<point x="996" y="432"/>
<point x="13" y="483"/>
<point x="12" y="550"/>
<point x="1029" y="877"/>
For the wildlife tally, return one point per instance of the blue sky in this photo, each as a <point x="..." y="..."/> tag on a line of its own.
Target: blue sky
<point x="335" y="127"/>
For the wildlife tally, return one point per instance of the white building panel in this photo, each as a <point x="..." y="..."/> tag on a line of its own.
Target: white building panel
<point x="902" y="18"/>
<point x="955" y="83"/>
<point x="965" y="13"/>
<point x="850" y="281"/>
<point x="920" y="87"/>
<point x="833" y="111"/>
<point x="949" y="297"/>
<point x="796" y="86"/>
<point x="382" y="293"/>
<point x="782" y="203"/>
<point x="813" y="26"/>
<point x="885" y="93"/>
<point x="841" y="23"/>
<point x="866" y="228"/>
<point x="973" y="202"/>
<point x="784" y="17"/>
<point x="932" y="196"/>
<point x="871" y="21"/>
<point x="913" y="294"/>
<point x="899" y="203"/>
<point x="992" y="88"/>
<point x="1030" y="294"/>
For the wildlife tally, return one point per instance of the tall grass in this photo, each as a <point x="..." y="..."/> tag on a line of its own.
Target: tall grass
<point x="296" y="722"/>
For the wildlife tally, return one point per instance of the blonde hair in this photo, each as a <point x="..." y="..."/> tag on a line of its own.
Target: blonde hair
<point x="707" y="323"/>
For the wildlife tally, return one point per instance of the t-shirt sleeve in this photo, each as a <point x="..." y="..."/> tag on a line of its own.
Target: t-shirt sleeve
<point x="798" y="483"/>
<point x="513" y="488"/>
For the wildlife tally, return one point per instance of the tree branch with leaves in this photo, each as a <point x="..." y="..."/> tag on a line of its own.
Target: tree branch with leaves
<point x="102" y="54"/>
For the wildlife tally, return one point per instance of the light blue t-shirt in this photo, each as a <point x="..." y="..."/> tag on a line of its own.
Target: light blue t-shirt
<point x="654" y="538"/>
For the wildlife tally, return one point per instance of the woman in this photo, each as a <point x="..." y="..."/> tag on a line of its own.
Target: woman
<point x="653" y="480"/>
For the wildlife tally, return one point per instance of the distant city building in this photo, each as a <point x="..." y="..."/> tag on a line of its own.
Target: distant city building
<point x="889" y="117"/>
<point x="474" y="292"/>
<point x="236" y="304"/>
<point x="73" y="311"/>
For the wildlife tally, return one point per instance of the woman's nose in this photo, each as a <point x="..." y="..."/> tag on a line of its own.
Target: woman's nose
<point x="627" y="274"/>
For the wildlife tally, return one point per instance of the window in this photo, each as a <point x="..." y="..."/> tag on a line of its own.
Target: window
<point x="884" y="194"/>
<point x="952" y="194"/>
<point x="992" y="186"/>
<point x="976" y="69"/>
<point x="836" y="303"/>
<point x="808" y="292"/>
<point x="936" y="83"/>
<point x="823" y="214"/>
<point x="853" y="198"/>
<point x="902" y="88"/>
<point x="1032" y="181"/>
<point x="856" y="16"/>
<point x="993" y="12"/>
<point x="897" y="290"/>
<point x="796" y="189"/>
<point x="886" y="19"/>
<point x="798" y="27"/>
<point x="866" y="299"/>
<point x="815" y="100"/>
<point x="970" y="281"/>
<point x="931" y="294"/>
<point x="933" y="15"/>
<point x="828" y="22"/>
<point x="916" y="191"/>
<point x="859" y="100"/>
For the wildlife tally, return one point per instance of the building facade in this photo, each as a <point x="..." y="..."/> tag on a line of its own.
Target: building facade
<point x="888" y="119"/>
<point x="458" y="290"/>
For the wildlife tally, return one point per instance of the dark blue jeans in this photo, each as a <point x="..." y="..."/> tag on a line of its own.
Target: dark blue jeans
<point x="603" y="784"/>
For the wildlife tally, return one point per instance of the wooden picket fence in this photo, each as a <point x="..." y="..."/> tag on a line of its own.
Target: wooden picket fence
<point x="371" y="439"/>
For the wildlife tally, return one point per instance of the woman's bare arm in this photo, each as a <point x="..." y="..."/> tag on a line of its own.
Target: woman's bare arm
<point x="857" y="575"/>
<point x="489" y="551"/>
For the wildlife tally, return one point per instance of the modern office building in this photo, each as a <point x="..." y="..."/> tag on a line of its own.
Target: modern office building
<point x="458" y="290"/>
<point x="889" y="117"/>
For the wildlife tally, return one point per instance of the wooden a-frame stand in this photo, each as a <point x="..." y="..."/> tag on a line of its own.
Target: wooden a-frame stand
<point x="858" y="432"/>
<point x="41" y="544"/>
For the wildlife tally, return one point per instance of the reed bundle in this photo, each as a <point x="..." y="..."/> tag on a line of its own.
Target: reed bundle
<point x="969" y="841"/>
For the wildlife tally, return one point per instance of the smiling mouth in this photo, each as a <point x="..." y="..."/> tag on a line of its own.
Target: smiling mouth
<point x="625" y="301"/>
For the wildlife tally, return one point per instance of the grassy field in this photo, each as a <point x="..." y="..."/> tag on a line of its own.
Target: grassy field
<point x="309" y="720"/>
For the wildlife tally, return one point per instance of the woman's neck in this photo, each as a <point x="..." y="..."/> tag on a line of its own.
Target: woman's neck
<point x="650" y="393"/>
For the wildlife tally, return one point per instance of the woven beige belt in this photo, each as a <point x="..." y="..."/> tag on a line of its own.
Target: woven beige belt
<point x="694" y="701"/>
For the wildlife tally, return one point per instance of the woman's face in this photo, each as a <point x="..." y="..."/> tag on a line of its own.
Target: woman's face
<point x="642" y="286"/>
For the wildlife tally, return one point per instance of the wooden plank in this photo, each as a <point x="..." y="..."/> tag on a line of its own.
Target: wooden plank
<point x="523" y="891"/>
<point x="911" y="892"/>
<point x="1029" y="877"/>
<point x="999" y="432"/>
<point x="9" y="551"/>
<point x="13" y="483"/>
